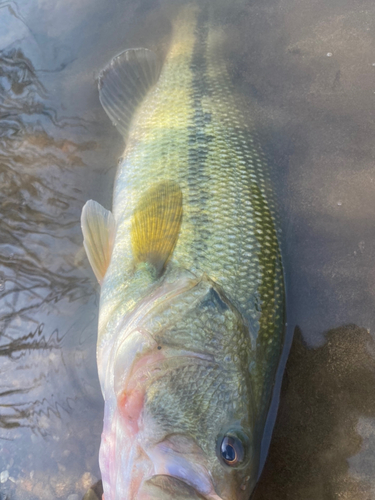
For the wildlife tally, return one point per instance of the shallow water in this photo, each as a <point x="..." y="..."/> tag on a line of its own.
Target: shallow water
<point x="307" y="69"/>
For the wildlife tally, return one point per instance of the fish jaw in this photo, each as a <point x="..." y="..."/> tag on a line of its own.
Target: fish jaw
<point x="129" y="473"/>
<point x="131" y="457"/>
<point x="130" y="462"/>
<point x="169" y="488"/>
<point x="160" y="473"/>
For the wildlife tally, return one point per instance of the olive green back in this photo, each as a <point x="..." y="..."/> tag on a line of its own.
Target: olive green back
<point x="191" y="130"/>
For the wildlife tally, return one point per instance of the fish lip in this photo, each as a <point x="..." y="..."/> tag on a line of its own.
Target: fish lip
<point x="165" y="481"/>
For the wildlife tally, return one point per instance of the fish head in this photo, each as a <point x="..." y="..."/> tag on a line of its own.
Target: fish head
<point x="179" y="419"/>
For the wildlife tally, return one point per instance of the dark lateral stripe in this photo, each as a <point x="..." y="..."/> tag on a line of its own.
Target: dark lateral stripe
<point x="198" y="175"/>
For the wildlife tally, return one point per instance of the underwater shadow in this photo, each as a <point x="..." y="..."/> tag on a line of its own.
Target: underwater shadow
<point x="325" y="391"/>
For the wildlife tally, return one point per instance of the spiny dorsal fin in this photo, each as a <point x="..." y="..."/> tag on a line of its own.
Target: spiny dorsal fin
<point x="98" y="228"/>
<point x="124" y="83"/>
<point x="156" y="224"/>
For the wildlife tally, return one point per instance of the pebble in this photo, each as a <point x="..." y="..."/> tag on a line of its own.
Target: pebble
<point x="90" y="495"/>
<point x="43" y="491"/>
<point x="4" y="476"/>
<point x="87" y="480"/>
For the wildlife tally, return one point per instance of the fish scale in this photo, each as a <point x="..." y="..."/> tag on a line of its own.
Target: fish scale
<point x="228" y="229"/>
<point x="217" y="297"/>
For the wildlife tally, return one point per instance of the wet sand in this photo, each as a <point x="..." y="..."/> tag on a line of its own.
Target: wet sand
<point x="323" y="441"/>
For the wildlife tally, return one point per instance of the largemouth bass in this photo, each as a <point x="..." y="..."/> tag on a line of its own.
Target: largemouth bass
<point x="192" y="297"/>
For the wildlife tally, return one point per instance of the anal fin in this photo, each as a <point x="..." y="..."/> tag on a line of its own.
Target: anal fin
<point x="98" y="228"/>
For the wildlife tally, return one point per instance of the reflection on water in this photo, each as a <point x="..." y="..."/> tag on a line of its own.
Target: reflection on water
<point x="57" y="150"/>
<point x="45" y="346"/>
<point x="35" y="211"/>
<point x="326" y="392"/>
<point x="15" y="411"/>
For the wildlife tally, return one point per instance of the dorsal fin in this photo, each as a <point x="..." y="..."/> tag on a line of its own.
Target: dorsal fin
<point x="98" y="228"/>
<point x="156" y="224"/>
<point x="124" y="83"/>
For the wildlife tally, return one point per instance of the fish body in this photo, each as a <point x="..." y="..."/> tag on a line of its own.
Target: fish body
<point x="192" y="296"/>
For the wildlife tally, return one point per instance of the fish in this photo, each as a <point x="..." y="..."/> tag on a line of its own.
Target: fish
<point x="192" y="298"/>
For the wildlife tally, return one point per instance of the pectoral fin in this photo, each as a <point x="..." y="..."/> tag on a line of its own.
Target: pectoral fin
<point x="98" y="228"/>
<point x="156" y="224"/>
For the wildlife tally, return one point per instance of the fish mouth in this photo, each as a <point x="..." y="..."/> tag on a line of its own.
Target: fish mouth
<point x="164" y="487"/>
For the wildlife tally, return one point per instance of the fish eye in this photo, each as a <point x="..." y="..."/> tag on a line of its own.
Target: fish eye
<point x="232" y="450"/>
